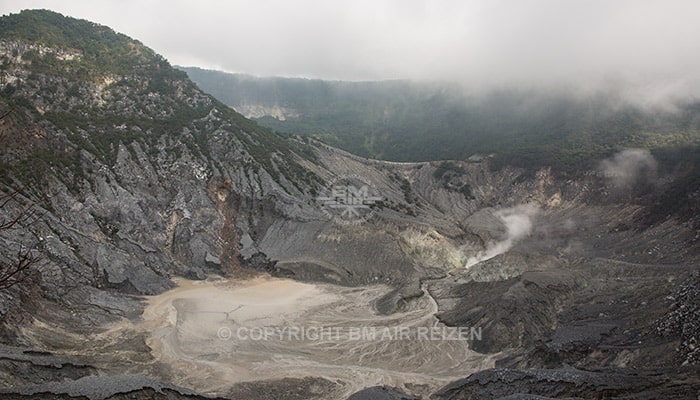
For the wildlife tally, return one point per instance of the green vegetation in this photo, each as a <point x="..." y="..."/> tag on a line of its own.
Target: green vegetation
<point x="40" y="161"/>
<point x="446" y="167"/>
<point x="105" y="140"/>
<point x="150" y="103"/>
<point x="262" y="143"/>
<point x="405" y="186"/>
<point x="109" y="228"/>
<point x="102" y="50"/>
<point x="405" y="121"/>
<point x="446" y="171"/>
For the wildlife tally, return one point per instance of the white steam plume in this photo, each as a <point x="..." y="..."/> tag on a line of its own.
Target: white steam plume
<point x="518" y="223"/>
<point x="627" y="167"/>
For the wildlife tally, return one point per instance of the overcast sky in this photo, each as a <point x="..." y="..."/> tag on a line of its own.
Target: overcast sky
<point x="654" y="44"/>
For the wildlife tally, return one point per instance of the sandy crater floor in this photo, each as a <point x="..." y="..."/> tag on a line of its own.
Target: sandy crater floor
<point x="213" y="334"/>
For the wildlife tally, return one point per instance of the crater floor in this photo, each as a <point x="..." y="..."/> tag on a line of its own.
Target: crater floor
<point x="216" y="333"/>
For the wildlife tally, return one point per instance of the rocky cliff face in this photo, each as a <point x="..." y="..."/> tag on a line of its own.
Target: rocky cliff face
<point x="137" y="176"/>
<point x="260" y="110"/>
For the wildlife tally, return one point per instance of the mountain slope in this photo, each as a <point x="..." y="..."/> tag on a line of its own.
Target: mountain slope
<point x="139" y="179"/>
<point x="139" y="176"/>
<point x="105" y="136"/>
<point x="119" y="91"/>
<point x="411" y="121"/>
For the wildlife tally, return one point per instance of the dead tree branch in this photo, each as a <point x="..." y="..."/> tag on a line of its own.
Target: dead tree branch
<point x="16" y="270"/>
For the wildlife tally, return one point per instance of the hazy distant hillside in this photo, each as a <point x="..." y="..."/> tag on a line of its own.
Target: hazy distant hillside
<point x="406" y="121"/>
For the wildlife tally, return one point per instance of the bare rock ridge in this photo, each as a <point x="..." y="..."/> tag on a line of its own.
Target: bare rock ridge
<point x="100" y="387"/>
<point x="139" y="177"/>
<point x="571" y="383"/>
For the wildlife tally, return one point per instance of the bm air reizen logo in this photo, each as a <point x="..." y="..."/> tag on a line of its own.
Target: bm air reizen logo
<point x="349" y="199"/>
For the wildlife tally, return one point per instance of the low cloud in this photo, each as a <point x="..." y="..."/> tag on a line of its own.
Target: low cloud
<point x="628" y="167"/>
<point x="644" y="49"/>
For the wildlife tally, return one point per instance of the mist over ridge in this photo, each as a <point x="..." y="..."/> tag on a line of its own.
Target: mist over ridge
<point x="401" y="120"/>
<point x="645" y="49"/>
